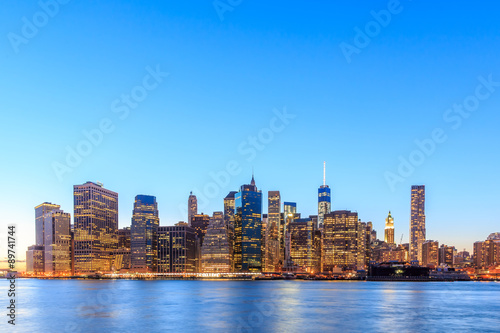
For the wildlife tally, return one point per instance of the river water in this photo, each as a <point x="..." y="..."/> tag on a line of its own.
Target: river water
<point x="253" y="306"/>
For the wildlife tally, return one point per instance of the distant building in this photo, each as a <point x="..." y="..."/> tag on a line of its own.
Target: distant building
<point x="430" y="250"/>
<point x="324" y="199"/>
<point x="192" y="207"/>
<point x="95" y="228"/>
<point x="273" y="231"/>
<point x="124" y="235"/>
<point x="216" y="254"/>
<point x="144" y="234"/>
<point x="229" y="209"/>
<point x="389" y="229"/>
<point x="446" y="255"/>
<point x="176" y="249"/>
<point x="40" y="211"/>
<point x="487" y="253"/>
<point x="34" y="259"/>
<point x="417" y="222"/>
<point x="248" y="229"/>
<point x="200" y="223"/>
<point x="289" y="215"/>
<point x="57" y="243"/>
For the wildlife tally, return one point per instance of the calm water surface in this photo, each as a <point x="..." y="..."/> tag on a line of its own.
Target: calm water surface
<point x="253" y="306"/>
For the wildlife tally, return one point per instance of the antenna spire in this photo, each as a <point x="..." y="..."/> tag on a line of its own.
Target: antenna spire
<point x="324" y="173"/>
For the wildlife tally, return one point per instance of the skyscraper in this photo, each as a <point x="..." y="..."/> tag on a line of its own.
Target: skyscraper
<point x="273" y="231"/>
<point x="301" y="233"/>
<point x="248" y="229"/>
<point x="340" y="240"/>
<point x="430" y="253"/>
<point x="289" y="215"/>
<point x="57" y="243"/>
<point x="417" y="222"/>
<point x="389" y="230"/>
<point x="40" y="211"/>
<point x="216" y="251"/>
<point x="324" y="199"/>
<point x="95" y="229"/>
<point x="144" y="234"/>
<point x="176" y="249"/>
<point x="34" y="259"/>
<point x="192" y="207"/>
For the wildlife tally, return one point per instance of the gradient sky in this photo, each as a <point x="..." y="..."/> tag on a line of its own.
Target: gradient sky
<point x="225" y="79"/>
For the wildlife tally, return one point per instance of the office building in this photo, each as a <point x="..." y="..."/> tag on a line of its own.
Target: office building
<point x="272" y="251"/>
<point x="446" y="255"/>
<point x="177" y="249"/>
<point x="34" y="260"/>
<point x="324" y="199"/>
<point x="192" y="207"/>
<point x="301" y="234"/>
<point x="248" y="229"/>
<point x="57" y="243"/>
<point x="389" y="230"/>
<point x="40" y="211"/>
<point x="216" y="254"/>
<point x="430" y="253"/>
<point x="417" y="222"/>
<point x="144" y="234"/>
<point x="95" y="228"/>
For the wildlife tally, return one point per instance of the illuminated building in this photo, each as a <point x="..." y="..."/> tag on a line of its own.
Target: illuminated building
<point x="487" y="253"/>
<point x="248" y="229"/>
<point x="229" y="209"/>
<point x="446" y="255"/>
<point x="417" y="222"/>
<point x="301" y="233"/>
<point x="96" y="224"/>
<point x="216" y="253"/>
<point x="361" y="258"/>
<point x="272" y="251"/>
<point x="317" y="250"/>
<point x="40" y="211"/>
<point x="200" y="223"/>
<point x="389" y="230"/>
<point x="121" y="259"/>
<point x="340" y="240"/>
<point x="57" y="244"/>
<point x="324" y="199"/>
<point x="289" y="215"/>
<point x="430" y="253"/>
<point x="176" y="249"/>
<point x="144" y="234"/>
<point x="34" y="259"/>
<point x="124" y="237"/>
<point x="192" y="207"/>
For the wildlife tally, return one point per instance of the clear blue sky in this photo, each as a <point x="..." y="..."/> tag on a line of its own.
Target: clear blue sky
<point x="225" y="79"/>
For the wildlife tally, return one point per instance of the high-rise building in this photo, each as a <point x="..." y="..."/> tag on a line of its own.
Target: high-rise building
<point x="301" y="233"/>
<point x="389" y="230"/>
<point x="176" y="249"/>
<point x="144" y="234"/>
<point x="340" y="240"/>
<point x="229" y="209"/>
<point x="289" y="215"/>
<point x="324" y="199"/>
<point x="417" y="222"/>
<point x="487" y="253"/>
<point x="446" y="255"/>
<point x="248" y="229"/>
<point x="34" y="259"/>
<point x="272" y="250"/>
<point x="430" y="253"/>
<point x="57" y="243"/>
<point x="95" y="228"/>
<point x="40" y="211"/>
<point x="216" y="253"/>
<point x="192" y="207"/>
<point x="124" y="236"/>
<point x="200" y="223"/>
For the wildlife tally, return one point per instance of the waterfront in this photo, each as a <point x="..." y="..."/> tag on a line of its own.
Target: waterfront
<point x="254" y="306"/>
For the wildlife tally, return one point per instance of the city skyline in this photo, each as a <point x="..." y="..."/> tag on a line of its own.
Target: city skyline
<point x="369" y="111"/>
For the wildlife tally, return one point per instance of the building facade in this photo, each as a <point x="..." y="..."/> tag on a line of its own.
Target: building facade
<point x="95" y="227"/>
<point x="176" y="249"/>
<point x="417" y="222"/>
<point x="216" y="252"/>
<point x="273" y="239"/>
<point x="248" y="229"/>
<point x="430" y="251"/>
<point x="192" y="207"/>
<point x="144" y="234"/>
<point x="324" y="199"/>
<point x="389" y="230"/>
<point x="57" y="243"/>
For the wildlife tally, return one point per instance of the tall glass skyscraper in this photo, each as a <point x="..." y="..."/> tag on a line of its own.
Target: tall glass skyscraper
<point x="248" y="229"/>
<point x="144" y="234"/>
<point x="324" y="200"/>
<point x="40" y="211"/>
<point x="95" y="229"/>
<point x="289" y="215"/>
<point x="216" y="251"/>
<point x="417" y="222"/>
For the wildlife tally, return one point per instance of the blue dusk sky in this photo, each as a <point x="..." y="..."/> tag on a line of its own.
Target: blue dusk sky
<point x="168" y="97"/>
